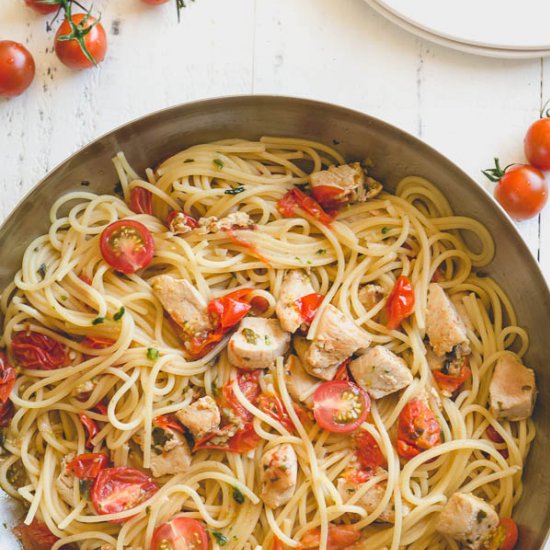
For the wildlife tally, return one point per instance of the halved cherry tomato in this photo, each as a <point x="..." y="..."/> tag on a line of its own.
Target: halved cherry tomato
<point x="121" y="488"/>
<point x="368" y="452"/>
<point x="7" y="378"/>
<point x="451" y="382"/>
<point x="340" y="406"/>
<point x="141" y="201"/>
<point x="93" y="34"/>
<point x="169" y="422"/>
<point x="36" y="536"/>
<point x="88" y="465"/>
<point x="400" y="303"/>
<point x="295" y="198"/>
<point x="246" y="244"/>
<point x="537" y="144"/>
<point x="7" y="410"/>
<point x="243" y="441"/>
<point x="417" y="429"/>
<point x="40" y="7"/>
<point x="127" y="245"/>
<point x="308" y="305"/>
<point x="180" y="222"/>
<point x="180" y="534"/>
<point x="330" y="197"/>
<point x="16" y="68"/>
<point x="343" y="372"/>
<point x="495" y="437"/>
<point x="339" y="537"/>
<point x="91" y="428"/>
<point x="33" y="350"/>
<point x="249" y="385"/>
<point x="272" y="405"/>
<point x="97" y="342"/>
<point x="505" y="537"/>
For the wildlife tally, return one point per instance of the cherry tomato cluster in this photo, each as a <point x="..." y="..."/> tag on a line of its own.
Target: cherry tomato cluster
<point x="522" y="189"/>
<point x="80" y="43"/>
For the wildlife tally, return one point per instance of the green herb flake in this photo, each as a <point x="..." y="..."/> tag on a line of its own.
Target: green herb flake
<point x="250" y="336"/>
<point x="267" y="340"/>
<point x="385" y="230"/>
<point x="234" y="191"/>
<point x="238" y="497"/>
<point x="119" y="314"/>
<point x="321" y="252"/>
<point x="148" y="510"/>
<point x="42" y="270"/>
<point x="221" y="539"/>
<point x="98" y="321"/>
<point x="218" y="163"/>
<point x="63" y="297"/>
<point x="152" y="354"/>
<point x="160" y="438"/>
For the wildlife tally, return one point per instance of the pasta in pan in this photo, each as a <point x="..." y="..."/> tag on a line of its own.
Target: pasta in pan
<point x="257" y="347"/>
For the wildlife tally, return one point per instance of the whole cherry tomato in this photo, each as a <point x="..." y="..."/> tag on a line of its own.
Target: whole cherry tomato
<point x="537" y="144"/>
<point x="16" y="68"/>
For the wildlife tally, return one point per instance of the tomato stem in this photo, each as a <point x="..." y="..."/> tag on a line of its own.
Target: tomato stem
<point x="544" y="112"/>
<point x="180" y="4"/>
<point x="494" y="174"/>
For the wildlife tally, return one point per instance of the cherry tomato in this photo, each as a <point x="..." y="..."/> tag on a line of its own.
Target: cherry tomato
<point x="451" y="382"/>
<point x="93" y="34"/>
<point x="85" y="279"/>
<point x="39" y="7"/>
<point x="249" y="385"/>
<point x="400" y="303"/>
<point x="495" y="437"/>
<point x="505" y="537"/>
<point x="295" y="198"/>
<point x="417" y="429"/>
<point x="33" y="350"/>
<point x="369" y="455"/>
<point x="91" y="428"/>
<point x="36" y="536"/>
<point x="246" y="244"/>
<point x="339" y="537"/>
<point x="88" y="465"/>
<point x="277" y="544"/>
<point x="7" y="410"/>
<point x="522" y="191"/>
<point x="16" y="68"/>
<point x="141" y="201"/>
<point x="119" y="489"/>
<point x="180" y="222"/>
<point x="101" y="407"/>
<point x="243" y="441"/>
<point x="272" y="405"/>
<point x="537" y="144"/>
<point x="308" y="305"/>
<point x="127" y="245"/>
<point x="169" y="422"/>
<point x="7" y="378"/>
<point x="330" y="197"/>
<point x="343" y="372"/>
<point x="96" y="342"/>
<point x="340" y="406"/>
<point x="180" y="534"/>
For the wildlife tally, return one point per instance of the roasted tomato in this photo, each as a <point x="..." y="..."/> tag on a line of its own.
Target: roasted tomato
<point x="339" y="537"/>
<point x="368" y="452"/>
<point x="141" y="201"/>
<point x="127" y="245"/>
<point x="417" y="429"/>
<point x="495" y="437"/>
<point x="180" y="534"/>
<point x="272" y="405"/>
<point x="119" y="489"/>
<point x="180" y="223"/>
<point x="253" y="249"/>
<point x="451" y="382"/>
<point x="340" y="406"/>
<point x="330" y="197"/>
<point x="295" y="199"/>
<point x="36" y="536"/>
<point x="88" y="465"/>
<point x="7" y="410"/>
<point x="169" y="422"/>
<point x="400" y="303"/>
<point x="96" y="342"/>
<point x="308" y="305"/>
<point x="505" y="536"/>
<point x="16" y="68"/>
<point x="7" y="378"/>
<point x="91" y="428"/>
<point x="33" y="350"/>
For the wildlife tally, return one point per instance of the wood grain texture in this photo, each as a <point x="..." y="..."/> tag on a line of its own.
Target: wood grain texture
<point x="470" y="108"/>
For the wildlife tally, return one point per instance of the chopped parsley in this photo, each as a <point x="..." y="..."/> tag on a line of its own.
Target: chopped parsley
<point x="238" y="496"/>
<point x="218" y="163"/>
<point x="119" y="314"/>
<point x="160" y="438"/>
<point x="321" y="252"/>
<point x="234" y="191"/>
<point x="267" y="340"/>
<point x="221" y="539"/>
<point x="98" y="321"/>
<point x="152" y="354"/>
<point x="385" y="230"/>
<point x="42" y="270"/>
<point x="250" y="336"/>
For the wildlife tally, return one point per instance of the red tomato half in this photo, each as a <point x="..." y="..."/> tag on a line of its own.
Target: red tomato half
<point x="70" y="52"/>
<point x="169" y="422"/>
<point x="537" y="144"/>
<point x="451" y="382"/>
<point x="88" y="465"/>
<point x="495" y="437"/>
<point x="272" y="405"/>
<point x="400" y="303"/>
<point x="35" y="536"/>
<point x="7" y="410"/>
<point x="16" y="68"/>
<point x="340" y="406"/>
<point x="180" y="534"/>
<point x="417" y="429"/>
<point x="127" y="245"/>
<point x="298" y="199"/>
<point x="329" y="196"/>
<point x="247" y="245"/>
<point x="277" y="544"/>
<point x="308" y="305"/>
<point x="119" y="489"/>
<point x="39" y="7"/>
<point x="368" y="452"/>
<point x="505" y="537"/>
<point x="7" y="378"/>
<point x="141" y="201"/>
<point x="177" y="221"/>
<point x="33" y="350"/>
<point x="339" y="537"/>
<point x="96" y="342"/>
<point x="91" y="428"/>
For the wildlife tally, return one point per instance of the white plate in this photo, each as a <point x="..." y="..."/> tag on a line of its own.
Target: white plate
<point x="506" y="53"/>
<point x="501" y="24"/>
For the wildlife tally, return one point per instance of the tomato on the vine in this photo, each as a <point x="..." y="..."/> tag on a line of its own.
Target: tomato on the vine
<point x="16" y="68"/>
<point x="537" y="144"/>
<point x="40" y="7"/>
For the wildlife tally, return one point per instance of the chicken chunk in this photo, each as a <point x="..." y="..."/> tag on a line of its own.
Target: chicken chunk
<point x="296" y="284"/>
<point x="170" y="452"/>
<point x="235" y="220"/>
<point x="444" y="327"/>
<point x="299" y="383"/>
<point x="200" y="417"/>
<point x="279" y="471"/>
<point x="64" y="482"/>
<point x="380" y="372"/>
<point x="257" y="343"/>
<point x="369" y="295"/>
<point x="337" y="339"/>
<point x="457" y="300"/>
<point x="467" y="519"/>
<point x="371" y="499"/>
<point x="513" y="390"/>
<point x="182" y="302"/>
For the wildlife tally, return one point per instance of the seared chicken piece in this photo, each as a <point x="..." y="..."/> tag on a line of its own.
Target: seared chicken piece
<point x="257" y="343"/>
<point x="444" y="326"/>
<point x="337" y="339"/>
<point x="235" y="220"/>
<point x="369" y="295"/>
<point x="513" y="390"/>
<point x="278" y="474"/>
<point x="296" y="284"/>
<point x="182" y="302"/>
<point x="467" y="519"/>
<point x="456" y="299"/>
<point x="200" y="417"/>
<point x="380" y="372"/>
<point x="299" y="383"/>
